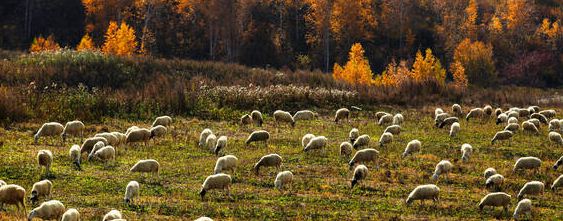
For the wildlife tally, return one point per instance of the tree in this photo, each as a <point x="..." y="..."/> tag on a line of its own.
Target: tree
<point x="86" y="43"/>
<point x="550" y="32"/>
<point x="356" y="70"/>
<point x="458" y="73"/>
<point x="394" y="75"/>
<point x="352" y="21"/>
<point x="427" y="69"/>
<point x="42" y="44"/>
<point x="477" y="60"/>
<point x="470" y="23"/>
<point x="318" y="35"/>
<point x="120" y="41"/>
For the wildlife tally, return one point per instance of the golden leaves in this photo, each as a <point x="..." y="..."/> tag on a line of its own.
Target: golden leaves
<point x="356" y="70"/>
<point x="44" y="44"/>
<point x="120" y="41"/>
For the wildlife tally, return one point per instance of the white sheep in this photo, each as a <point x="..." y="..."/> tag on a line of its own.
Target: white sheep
<point x="354" y="134"/>
<point x="555" y="138"/>
<point x="386" y="138"/>
<point x="282" y="179"/>
<point x="74" y="128"/>
<point x="228" y="162"/>
<point x="45" y="159"/>
<point x="529" y="127"/>
<point x="220" y="145"/>
<point x="540" y="117"/>
<point x="501" y="118"/>
<point x="270" y="160"/>
<point x="548" y="113"/>
<point x="360" y="173"/>
<point x="89" y="143"/>
<point x="105" y="154"/>
<point x="304" y="115"/>
<point x="71" y="215"/>
<point x="385" y="120"/>
<point x="41" y="189"/>
<point x="512" y="120"/>
<point x="283" y="116"/>
<point x="257" y="117"/>
<point x="512" y="113"/>
<point x="259" y="135"/>
<point x="12" y="195"/>
<point x="498" y="111"/>
<point x="158" y="131"/>
<point x="341" y="114"/>
<point x="362" y="141"/>
<point x="398" y="119"/>
<point x="50" y="129"/>
<point x="489" y="172"/>
<point x="527" y="163"/>
<point x="488" y="110"/>
<point x="439" y="118"/>
<point x="535" y="108"/>
<point x="456" y="109"/>
<point x="203" y="137"/>
<point x="380" y="114"/>
<point x="346" y="149"/>
<point x="558" y="163"/>
<point x="503" y="135"/>
<point x="112" y="215"/>
<point x="454" y="129"/>
<point x="245" y="119"/>
<point x="305" y="140"/>
<point x="204" y="218"/>
<point x="139" y="135"/>
<point x="438" y="111"/>
<point x="448" y="121"/>
<point x="466" y="152"/>
<point x="165" y="121"/>
<point x="535" y="122"/>
<point x="146" y="166"/>
<point x="216" y="181"/>
<point x="557" y="183"/>
<point x="393" y="129"/>
<point x="364" y="156"/>
<point x="316" y="143"/>
<point x="443" y="167"/>
<point x="110" y="137"/>
<point x="424" y="192"/>
<point x="412" y="146"/>
<point x="2" y="183"/>
<point x="495" y="180"/>
<point x="495" y="199"/>
<point x="74" y="154"/>
<point x="475" y="113"/>
<point x="131" y="192"/>
<point x="211" y="141"/>
<point x="49" y="210"/>
<point x="531" y="188"/>
<point x="131" y="129"/>
<point x="523" y="208"/>
<point x="97" y="146"/>
<point x="512" y="127"/>
<point x="554" y="125"/>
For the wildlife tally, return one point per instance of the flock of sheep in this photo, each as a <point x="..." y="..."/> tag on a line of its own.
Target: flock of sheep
<point x="103" y="147"/>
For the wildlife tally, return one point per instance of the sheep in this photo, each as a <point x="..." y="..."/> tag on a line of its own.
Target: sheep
<point x="12" y="195"/>
<point x="346" y="149"/>
<point x="529" y="127"/>
<point x="535" y="108"/>
<point x="523" y="208"/>
<point x="48" y="129"/>
<point x="488" y="110"/>
<point x="466" y="151"/>
<point x="502" y="135"/>
<point x="364" y="156"/>
<point x="495" y="180"/>
<point x="221" y="145"/>
<point x="245" y="119"/>
<point x="104" y="154"/>
<point x="158" y="131"/>
<point x="75" y="128"/>
<point x="270" y="160"/>
<point x="385" y="119"/>
<point x="448" y="121"/>
<point x="304" y="115"/>
<point x="316" y="143"/>
<point x="412" y="146"/>
<point x="305" y="140"/>
<point x="438" y="111"/>
<point x="112" y="139"/>
<point x="502" y="118"/>
<point x="146" y="166"/>
<point x="512" y="127"/>
<point x="557" y="183"/>
<point x="139" y="135"/>
<point x="112" y="215"/>
<point x="216" y="181"/>
<point x="531" y="188"/>
<point x="131" y="129"/>
<point x="393" y="129"/>
<point x="283" y="116"/>
<point x="89" y="143"/>
<point x="257" y="117"/>
<point x="362" y="141"/>
<point x="548" y="113"/>
<point x="203" y="137"/>
<point x="535" y="122"/>
<point x="44" y="159"/>
<point x="71" y="215"/>
<point x="475" y="113"/>
<point x="443" y="167"/>
<point x="512" y="120"/>
<point x="398" y="119"/>
<point x="211" y="141"/>
<point x="554" y="125"/>
<point x="385" y="138"/>
<point x="555" y="138"/>
<point x="354" y="134"/>
<point x="131" y="192"/>
<point x="513" y="113"/>
<point x="2" y="183"/>
<point x="120" y="136"/>
<point x="495" y="199"/>
<point x="162" y="121"/>
<point x="96" y="147"/>
<point x="380" y="114"/>
<point x="282" y="179"/>
<point x="540" y="117"/>
<point x="454" y="129"/>
<point x="489" y="172"/>
<point x="498" y="111"/>
<point x="228" y="162"/>
<point x="523" y="112"/>
<point x="528" y="163"/>
<point x="360" y="173"/>
<point x="439" y="118"/>
<point x="456" y="109"/>
<point x="74" y="154"/>
<point x="49" y="210"/>
<point x="341" y="114"/>
<point x="558" y="163"/>
<point x="259" y="135"/>
<point x="41" y="189"/>
<point x="424" y="192"/>
<point x="204" y="218"/>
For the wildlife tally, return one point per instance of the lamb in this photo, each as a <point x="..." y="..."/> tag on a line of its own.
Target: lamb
<point x="71" y="215"/>
<point x="203" y="137"/>
<point x="439" y="118"/>
<point x="345" y="149"/>
<point x="531" y="188"/>
<point x="489" y="172"/>
<point x="495" y="180"/>
<point x="44" y="159"/>
<point x="283" y="116"/>
<point x="12" y="195"/>
<point x="305" y="140"/>
<point x="438" y="111"/>
<point x="502" y="118"/>
<point x="380" y="114"/>
<point x="112" y="139"/>
<point x="158" y="131"/>
<point x="245" y="119"/>
<point x="424" y="192"/>
<point x="216" y="181"/>
<point x="211" y="142"/>
<point x="259" y="135"/>
<point x="448" y="121"/>
<point x="105" y="154"/>
<point x="557" y="183"/>
<point x="48" y="129"/>
<point x="228" y="162"/>
<point x="353" y="135"/>
<point x="540" y="117"/>
<point x="270" y="160"/>
<point x="386" y="138"/>
<point x="503" y="135"/>
<point x="75" y="128"/>
<point x="558" y="163"/>
<point x="528" y="163"/>
<point x="257" y="117"/>
<point x="454" y="129"/>
<point x="304" y="115"/>
<point x="554" y="125"/>
<point x="488" y="110"/>
<point x="165" y="121"/>
<point x="495" y="199"/>
<point x="89" y="143"/>
<point x="555" y="138"/>
<point x="385" y="119"/>
<point x="498" y="111"/>
<point x="443" y="167"/>
<point x="49" y="210"/>
<point x="512" y="127"/>
<point x="139" y="135"/>
<point x="456" y="109"/>
<point x="548" y="113"/>
<point x="412" y="146"/>
<point x="393" y="129"/>
<point x="316" y="143"/>
<point x="112" y="215"/>
<point x="364" y="156"/>
<point x="360" y="173"/>
<point x="341" y="114"/>
<point x="362" y="141"/>
<point x="475" y="113"/>
<point x="398" y="119"/>
<point x="523" y="208"/>
<point x="146" y="166"/>
<point x="530" y="128"/>
<point x="131" y="192"/>
<point x="41" y="189"/>
<point x="512" y="120"/>
<point x="466" y="151"/>
<point x="221" y="145"/>
<point x="282" y="179"/>
<point x="74" y="154"/>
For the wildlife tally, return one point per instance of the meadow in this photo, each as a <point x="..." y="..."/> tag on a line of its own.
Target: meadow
<point x="321" y="187"/>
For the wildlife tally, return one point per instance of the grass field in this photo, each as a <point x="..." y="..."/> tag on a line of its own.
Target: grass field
<point x="321" y="189"/>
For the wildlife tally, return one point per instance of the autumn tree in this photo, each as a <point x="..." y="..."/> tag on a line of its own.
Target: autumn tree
<point x="460" y="79"/>
<point x="352" y="21"/>
<point x="549" y="32"/>
<point x="394" y="75"/>
<point x="86" y="44"/>
<point x="356" y="70"/>
<point x="469" y="26"/>
<point x="120" y="41"/>
<point x="477" y="60"/>
<point x="427" y="68"/>
<point x="44" y="44"/>
<point x="318" y="35"/>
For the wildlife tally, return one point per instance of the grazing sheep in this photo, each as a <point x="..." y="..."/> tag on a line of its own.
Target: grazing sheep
<point x="146" y="166"/>
<point x="305" y="140"/>
<point x="557" y="183"/>
<point x="49" y="210"/>
<point x="454" y="129"/>
<point x="341" y="114"/>
<point x="221" y="145"/>
<point x="443" y="167"/>
<point x="158" y="131"/>
<point x="439" y="118"/>
<point x="245" y="119"/>
<point x="131" y="192"/>
<point x="523" y="208"/>
<point x="424" y="192"/>
<point x="354" y="134"/>
<point x="448" y="121"/>
<point x="204" y="218"/>
<point x="554" y="125"/>
<point x="489" y="172"/>
<point x="211" y="141"/>
<point x="503" y="135"/>
<point x="528" y="127"/>
<point x="475" y="113"/>
<point x="112" y="215"/>
<point x="535" y="108"/>
<point x="96" y="147"/>
<point x="527" y="163"/>
<point x="555" y="138"/>
<point x="74" y="154"/>
<point x="512" y="127"/>
<point x="89" y="143"/>
<point x="412" y="146"/>
<point x="216" y="181"/>
<point x="139" y="135"/>
<point x="346" y="149"/>
<point x="120" y="136"/>
<point x="360" y="173"/>
<point x="304" y="115"/>
<point x="466" y="151"/>
<point x="203" y="137"/>
<point x="12" y="195"/>
<point x="270" y="160"/>
<point x="282" y="179"/>
<point x="385" y="119"/>
<point x="512" y="120"/>
<point x="385" y="138"/>
<point x="502" y="118"/>
<point x="41" y="189"/>
<point x="438" y="111"/>
<point x="71" y="215"/>
<point x="512" y="113"/>
<point x="2" y="183"/>
<point x="228" y="162"/>
<point x="548" y="113"/>
<point x="558" y="163"/>
<point x="316" y="143"/>
<point x="44" y="159"/>
<point x="531" y="188"/>
<point x="535" y="122"/>
<point x="498" y="111"/>
<point x="50" y="129"/>
<point x="131" y="129"/>
<point x="523" y="112"/>
<point x="283" y="116"/>
<point x="259" y="135"/>
<point x="380" y="114"/>
<point x="362" y="141"/>
<point x="456" y="109"/>
<point x="112" y="139"/>
<point x="398" y="119"/>
<point x="488" y="110"/>
<point x="104" y="154"/>
<point x="74" y="128"/>
<point x="165" y="121"/>
<point x="364" y="156"/>
<point x="495" y="180"/>
<point x="257" y="117"/>
<point x="540" y="117"/>
<point x="495" y="199"/>
<point x="393" y="129"/>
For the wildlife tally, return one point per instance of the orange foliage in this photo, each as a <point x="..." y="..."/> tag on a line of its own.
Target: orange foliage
<point x="44" y="44"/>
<point x="469" y="25"/>
<point x="357" y="69"/>
<point x="428" y="68"/>
<point x="458" y="72"/>
<point x="477" y="60"/>
<point x="394" y="75"/>
<point x="120" y="41"/>
<point x="86" y="43"/>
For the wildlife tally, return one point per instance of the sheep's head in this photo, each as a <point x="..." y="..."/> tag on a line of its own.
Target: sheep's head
<point x="354" y="182"/>
<point x="202" y="193"/>
<point x="31" y="215"/>
<point x="34" y="197"/>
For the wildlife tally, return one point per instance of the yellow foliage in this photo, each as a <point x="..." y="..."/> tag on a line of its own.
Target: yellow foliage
<point x="428" y="68"/>
<point x="458" y="72"/>
<point x="549" y="30"/>
<point x="86" y="43"/>
<point x="394" y="75"/>
<point x="356" y="70"/>
<point x="120" y="41"/>
<point x="495" y="25"/>
<point x="477" y="60"/>
<point x="469" y="25"/>
<point x="44" y="44"/>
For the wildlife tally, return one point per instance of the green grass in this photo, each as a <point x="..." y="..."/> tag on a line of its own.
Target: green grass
<point x="321" y="189"/>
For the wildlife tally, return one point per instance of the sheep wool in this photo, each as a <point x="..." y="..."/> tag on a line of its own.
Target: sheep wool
<point x="131" y="192"/>
<point x="48" y="130"/>
<point x="245" y="119"/>
<point x="270" y="160"/>
<point x="385" y="120"/>
<point x="112" y="215"/>
<point x="386" y="138"/>
<point x="438" y="111"/>
<point x="158" y="131"/>
<point x="380" y="114"/>
<point x="316" y="143"/>
<point x="49" y="210"/>
<point x="531" y="188"/>
<point x="558" y="163"/>
<point x="256" y="136"/>
<point x="548" y="113"/>
<point x="345" y="149"/>
<point x="305" y="140"/>
<point x="528" y="163"/>
<point x="475" y="113"/>
<point x="512" y="120"/>
<point x="540" y="117"/>
<point x="354" y="134"/>
<point x="523" y="112"/>
<point x="557" y="183"/>
<point x="89" y="143"/>
<point x="424" y="192"/>
<point x="2" y="183"/>
<point x="443" y="167"/>
<point x="139" y="135"/>
<point x="257" y="117"/>
<point x="535" y="122"/>
<point x="71" y="215"/>
<point x="364" y="156"/>
<point x="495" y="200"/>
<point x="448" y="121"/>
<point x="41" y="189"/>
<point x="120" y="136"/>
<point x="412" y="147"/>
<point x="112" y="139"/>
<point x="282" y="179"/>
<point x="204" y="218"/>
<point x="488" y="110"/>
<point x="362" y="141"/>
<point x="398" y="119"/>
<point x="512" y="127"/>
<point x="498" y="111"/>
<point x="393" y="129"/>
<point x="555" y="138"/>
<point x="456" y="109"/>
<point x="439" y="118"/>
<point x="283" y="117"/>
<point x="216" y="181"/>
<point x="304" y="115"/>
<point x="203" y="137"/>
<point x="74" y="128"/>
<point x="466" y="151"/>
<point x="146" y="166"/>
<point x="162" y="121"/>
<point x="221" y="145"/>
<point x="454" y="129"/>
<point x="228" y="162"/>
<point x="502" y="135"/>
<point x="501" y="118"/>
<point x="524" y="208"/>
<point x="12" y="195"/>
<point x="360" y="173"/>
<point x="494" y="180"/>
<point x="74" y="154"/>
<point x="44" y="159"/>
<point x="489" y="172"/>
<point x="105" y="154"/>
<point x="341" y="114"/>
<point x="554" y="125"/>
